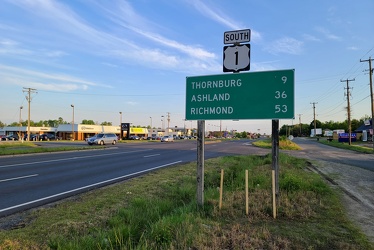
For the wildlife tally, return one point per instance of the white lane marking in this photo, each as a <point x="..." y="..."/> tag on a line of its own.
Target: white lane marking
<point x="88" y="186"/>
<point x="17" y="178"/>
<point x="146" y="156"/>
<point x="72" y="158"/>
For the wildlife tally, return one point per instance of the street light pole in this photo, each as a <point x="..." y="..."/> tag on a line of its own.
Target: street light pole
<point x="72" y="125"/>
<point x="20" y="122"/>
<point x="151" y="125"/>
<point x="120" y="125"/>
<point x="162" y="119"/>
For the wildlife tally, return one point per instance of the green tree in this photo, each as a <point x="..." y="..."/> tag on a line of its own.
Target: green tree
<point x="60" y="120"/>
<point x="2" y="124"/>
<point x="106" y="123"/>
<point x="318" y="124"/>
<point x="242" y="134"/>
<point x="88" y="122"/>
<point x="355" y="124"/>
<point x="13" y="124"/>
<point x="283" y="130"/>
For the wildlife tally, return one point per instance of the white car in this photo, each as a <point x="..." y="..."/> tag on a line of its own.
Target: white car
<point x="167" y="138"/>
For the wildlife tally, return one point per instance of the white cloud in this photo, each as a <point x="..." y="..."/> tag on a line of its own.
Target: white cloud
<point x="189" y="50"/>
<point x="286" y="45"/>
<point x="311" y="38"/>
<point x="220" y="17"/>
<point x="352" y="48"/>
<point x="55" y="53"/>
<point x="43" y="81"/>
<point x="8" y="46"/>
<point x="106" y="44"/>
<point x="328" y="35"/>
<point x="132" y="103"/>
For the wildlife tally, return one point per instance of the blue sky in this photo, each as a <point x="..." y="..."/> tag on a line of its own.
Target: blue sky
<point x="133" y="57"/>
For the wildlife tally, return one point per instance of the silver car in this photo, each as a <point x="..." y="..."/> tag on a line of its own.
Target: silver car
<point x="167" y="138"/>
<point x="103" y="138"/>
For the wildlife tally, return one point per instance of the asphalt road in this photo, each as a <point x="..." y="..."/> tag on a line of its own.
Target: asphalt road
<point x="29" y="181"/>
<point x="314" y="150"/>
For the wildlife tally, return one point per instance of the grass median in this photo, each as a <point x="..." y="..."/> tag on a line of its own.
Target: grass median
<point x="284" y="143"/>
<point x="159" y="211"/>
<point x="355" y="146"/>
<point x="18" y="148"/>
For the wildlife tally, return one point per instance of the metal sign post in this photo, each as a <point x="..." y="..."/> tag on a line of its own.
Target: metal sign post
<point x="200" y="162"/>
<point x="275" y="153"/>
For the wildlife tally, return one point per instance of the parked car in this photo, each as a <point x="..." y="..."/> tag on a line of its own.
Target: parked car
<point x="167" y="138"/>
<point x="13" y="137"/>
<point x="103" y="138"/>
<point x="134" y="137"/>
<point x="33" y="137"/>
<point x="90" y="138"/>
<point x="47" y="137"/>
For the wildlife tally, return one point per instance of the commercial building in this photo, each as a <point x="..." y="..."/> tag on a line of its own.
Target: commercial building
<point x="82" y="131"/>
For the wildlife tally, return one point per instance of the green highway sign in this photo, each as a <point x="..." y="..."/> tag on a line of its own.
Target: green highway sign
<point x="252" y="95"/>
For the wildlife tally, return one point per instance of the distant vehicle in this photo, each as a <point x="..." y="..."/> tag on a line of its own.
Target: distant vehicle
<point x="13" y="137"/>
<point x="33" y="137"/>
<point x="167" y="138"/>
<point x="103" y="138"/>
<point x="134" y="137"/>
<point x="90" y="138"/>
<point x="47" y="137"/>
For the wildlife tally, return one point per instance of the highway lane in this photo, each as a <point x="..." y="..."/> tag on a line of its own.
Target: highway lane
<point x="32" y="180"/>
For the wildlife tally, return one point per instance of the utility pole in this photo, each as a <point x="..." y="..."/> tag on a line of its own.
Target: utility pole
<point x="314" y="114"/>
<point x="348" y="110"/>
<point x="371" y="95"/>
<point x="28" y="98"/>
<point x="300" y="123"/>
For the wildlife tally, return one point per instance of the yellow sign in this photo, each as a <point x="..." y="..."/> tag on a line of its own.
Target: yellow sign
<point x="138" y="131"/>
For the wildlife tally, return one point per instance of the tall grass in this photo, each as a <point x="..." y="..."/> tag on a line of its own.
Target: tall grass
<point x="159" y="211"/>
<point x="284" y="143"/>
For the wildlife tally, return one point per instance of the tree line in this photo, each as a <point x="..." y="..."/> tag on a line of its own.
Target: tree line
<point x="304" y="129"/>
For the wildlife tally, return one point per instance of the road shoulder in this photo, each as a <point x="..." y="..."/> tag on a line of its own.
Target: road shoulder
<point x="357" y="187"/>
